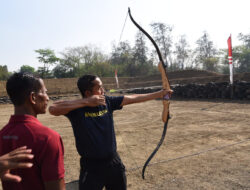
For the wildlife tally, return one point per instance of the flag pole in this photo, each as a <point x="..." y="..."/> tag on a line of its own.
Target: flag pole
<point x="230" y="61"/>
<point x="116" y="79"/>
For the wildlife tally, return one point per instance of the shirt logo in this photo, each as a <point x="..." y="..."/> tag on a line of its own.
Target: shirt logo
<point x="7" y="137"/>
<point x="96" y="114"/>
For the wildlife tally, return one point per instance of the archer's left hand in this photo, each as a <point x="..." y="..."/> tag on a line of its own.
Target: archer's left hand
<point x="168" y="92"/>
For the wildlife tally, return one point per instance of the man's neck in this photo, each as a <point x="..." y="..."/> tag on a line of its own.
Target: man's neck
<point x="22" y="110"/>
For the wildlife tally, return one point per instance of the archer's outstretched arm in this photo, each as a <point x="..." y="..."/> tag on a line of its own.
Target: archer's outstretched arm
<point x="136" y="98"/>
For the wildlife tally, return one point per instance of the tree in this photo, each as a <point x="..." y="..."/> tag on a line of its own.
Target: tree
<point x="121" y="54"/>
<point x="206" y="54"/>
<point x="63" y="71"/>
<point x="102" y="69"/>
<point x="163" y="37"/>
<point x="71" y="60"/>
<point x="242" y="54"/>
<point x="27" y="69"/>
<point x="122" y="59"/>
<point x="140" y="49"/>
<point x="48" y="58"/>
<point x="245" y="39"/>
<point x="4" y="74"/>
<point x="141" y="65"/>
<point x="80" y="60"/>
<point x="241" y="58"/>
<point x="181" y="52"/>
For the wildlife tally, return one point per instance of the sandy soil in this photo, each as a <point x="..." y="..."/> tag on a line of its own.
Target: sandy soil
<point x="207" y="145"/>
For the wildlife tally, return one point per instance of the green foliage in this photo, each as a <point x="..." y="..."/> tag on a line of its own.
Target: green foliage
<point x="211" y="64"/>
<point x="182" y="53"/>
<point x="245" y="39"/>
<point x="129" y="61"/>
<point x="48" y="58"/>
<point x="135" y="61"/>
<point x="81" y="60"/>
<point x="121" y="54"/>
<point x="27" y="69"/>
<point x="63" y="71"/>
<point x="101" y="69"/>
<point x="140" y="50"/>
<point x="162" y="34"/>
<point x="43" y="72"/>
<point x="241" y="56"/>
<point x="241" y="59"/>
<point x="206" y="54"/>
<point x="4" y="74"/>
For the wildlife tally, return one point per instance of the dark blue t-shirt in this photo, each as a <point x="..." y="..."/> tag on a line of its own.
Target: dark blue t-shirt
<point x="94" y="129"/>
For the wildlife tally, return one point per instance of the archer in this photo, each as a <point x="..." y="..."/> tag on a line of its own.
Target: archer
<point x="91" y="118"/>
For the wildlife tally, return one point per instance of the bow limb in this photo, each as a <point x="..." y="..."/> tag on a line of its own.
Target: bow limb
<point x="166" y="85"/>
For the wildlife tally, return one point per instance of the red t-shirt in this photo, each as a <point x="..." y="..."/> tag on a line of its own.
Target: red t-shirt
<point x="46" y="145"/>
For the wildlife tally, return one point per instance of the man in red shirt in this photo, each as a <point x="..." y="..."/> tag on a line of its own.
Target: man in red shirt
<point x="29" y="96"/>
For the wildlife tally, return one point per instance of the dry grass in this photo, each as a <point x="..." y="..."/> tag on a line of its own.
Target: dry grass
<point x="207" y="145"/>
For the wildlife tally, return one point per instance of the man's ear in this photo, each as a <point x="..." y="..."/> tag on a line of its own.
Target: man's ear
<point x="87" y="93"/>
<point x="32" y="97"/>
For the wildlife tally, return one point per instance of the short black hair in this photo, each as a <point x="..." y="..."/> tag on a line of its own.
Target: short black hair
<point x="86" y="83"/>
<point x="20" y="85"/>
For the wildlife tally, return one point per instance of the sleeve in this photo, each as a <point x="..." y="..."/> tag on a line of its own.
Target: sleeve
<point x="52" y="159"/>
<point x="115" y="102"/>
<point x="71" y="113"/>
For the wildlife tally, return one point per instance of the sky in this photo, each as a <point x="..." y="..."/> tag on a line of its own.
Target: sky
<point x="28" y="25"/>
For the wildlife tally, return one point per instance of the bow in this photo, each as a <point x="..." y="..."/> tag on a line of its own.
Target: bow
<point x="166" y="85"/>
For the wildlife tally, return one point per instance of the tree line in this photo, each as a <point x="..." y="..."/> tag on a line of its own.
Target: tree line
<point x="140" y="59"/>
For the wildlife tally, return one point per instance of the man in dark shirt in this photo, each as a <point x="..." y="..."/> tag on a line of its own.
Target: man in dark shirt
<point x="93" y="126"/>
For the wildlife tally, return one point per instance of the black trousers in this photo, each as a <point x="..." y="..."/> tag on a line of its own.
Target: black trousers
<point x="108" y="173"/>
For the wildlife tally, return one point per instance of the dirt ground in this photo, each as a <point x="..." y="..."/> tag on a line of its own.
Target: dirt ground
<point x="207" y="145"/>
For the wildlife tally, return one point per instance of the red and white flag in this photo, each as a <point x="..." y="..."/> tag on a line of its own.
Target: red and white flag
<point x="230" y="58"/>
<point x="116" y="79"/>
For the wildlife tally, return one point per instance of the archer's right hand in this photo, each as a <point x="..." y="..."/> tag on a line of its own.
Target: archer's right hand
<point x="96" y="100"/>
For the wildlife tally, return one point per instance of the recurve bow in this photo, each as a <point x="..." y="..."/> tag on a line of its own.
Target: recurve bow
<point x="166" y="85"/>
